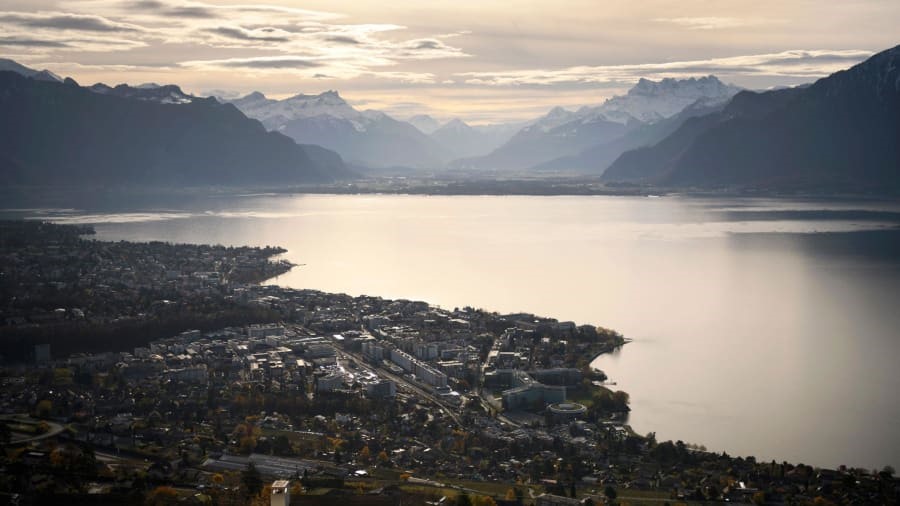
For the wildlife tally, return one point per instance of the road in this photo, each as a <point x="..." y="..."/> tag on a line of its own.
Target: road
<point x="55" y="428"/>
<point x="405" y="383"/>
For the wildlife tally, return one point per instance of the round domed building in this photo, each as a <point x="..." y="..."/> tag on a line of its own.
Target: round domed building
<point x="566" y="411"/>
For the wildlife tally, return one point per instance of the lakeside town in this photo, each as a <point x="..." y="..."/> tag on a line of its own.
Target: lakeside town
<point x="167" y="374"/>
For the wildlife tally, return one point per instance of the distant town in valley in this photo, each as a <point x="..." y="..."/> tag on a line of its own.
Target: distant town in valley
<point x="160" y="373"/>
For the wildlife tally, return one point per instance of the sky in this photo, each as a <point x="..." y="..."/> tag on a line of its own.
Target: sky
<point x="480" y="60"/>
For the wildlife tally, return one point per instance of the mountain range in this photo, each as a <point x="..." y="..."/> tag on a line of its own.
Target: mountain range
<point x="559" y="140"/>
<point x="367" y="138"/>
<point x="841" y="133"/>
<point x="464" y="140"/>
<point x="591" y="137"/>
<point x="40" y="75"/>
<point x="61" y="133"/>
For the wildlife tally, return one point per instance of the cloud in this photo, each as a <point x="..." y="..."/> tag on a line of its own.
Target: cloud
<point x="260" y="63"/>
<point x="203" y="10"/>
<point x="294" y="40"/>
<point x="14" y="41"/>
<point x="146" y="4"/>
<point x="405" y="77"/>
<point x="342" y="39"/>
<point x="65" y="31"/>
<point x="425" y="44"/>
<point x="260" y="35"/>
<point x="715" y="23"/>
<point x="796" y="63"/>
<point x="427" y="49"/>
<point x="190" y="11"/>
<point x="65" y="21"/>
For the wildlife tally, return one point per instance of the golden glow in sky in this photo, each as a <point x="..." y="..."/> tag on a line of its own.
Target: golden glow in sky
<point x="477" y="60"/>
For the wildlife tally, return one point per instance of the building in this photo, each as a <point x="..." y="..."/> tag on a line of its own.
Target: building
<point x="319" y="351"/>
<point x="533" y="396"/>
<point x="404" y="360"/>
<point x="330" y="382"/>
<point x="281" y="493"/>
<point x="381" y="389"/>
<point x="566" y="411"/>
<point x="452" y="368"/>
<point x="557" y="376"/>
<point x="265" y="330"/>
<point x="194" y="374"/>
<point x="430" y="375"/>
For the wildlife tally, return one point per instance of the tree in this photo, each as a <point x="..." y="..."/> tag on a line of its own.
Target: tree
<point x="252" y="480"/>
<point x="463" y="500"/>
<point x="484" y="500"/>
<point x="365" y="454"/>
<point x="610" y="493"/>
<point x="162" y="496"/>
<point x="44" y="409"/>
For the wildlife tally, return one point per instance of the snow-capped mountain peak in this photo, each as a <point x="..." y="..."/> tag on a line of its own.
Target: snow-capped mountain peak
<point x="367" y="137"/>
<point x="163" y="94"/>
<point x="650" y="101"/>
<point x="40" y="75"/>
<point x="278" y="112"/>
<point x="329" y="98"/>
<point x="554" y="118"/>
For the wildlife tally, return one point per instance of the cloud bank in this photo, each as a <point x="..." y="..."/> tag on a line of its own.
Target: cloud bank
<point x="795" y="64"/>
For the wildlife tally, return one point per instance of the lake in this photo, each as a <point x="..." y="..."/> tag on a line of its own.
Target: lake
<point x="761" y="327"/>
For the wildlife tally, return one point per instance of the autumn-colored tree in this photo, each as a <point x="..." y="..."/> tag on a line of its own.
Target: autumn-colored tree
<point x="263" y="498"/>
<point x="383" y="457"/>
<point x="484" y="500"/>
<point x="162" y="496"/>
<point x="247" y="444"/>
<point x="365" y="454"/>
<point x="336" y="443"/>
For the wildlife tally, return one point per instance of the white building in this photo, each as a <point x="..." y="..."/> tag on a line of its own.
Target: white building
<point x="330" y="382"/>
<point x="281" y="493"/>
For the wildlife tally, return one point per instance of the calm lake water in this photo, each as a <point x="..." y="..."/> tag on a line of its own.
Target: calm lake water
<point x="760" y="327"/>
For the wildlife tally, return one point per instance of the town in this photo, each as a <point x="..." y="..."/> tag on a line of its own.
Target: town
<point x="167" y="374"/>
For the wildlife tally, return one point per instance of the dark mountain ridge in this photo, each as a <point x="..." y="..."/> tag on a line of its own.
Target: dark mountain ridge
<point x="62" y="133"/>
<point x="840" y="134"/>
